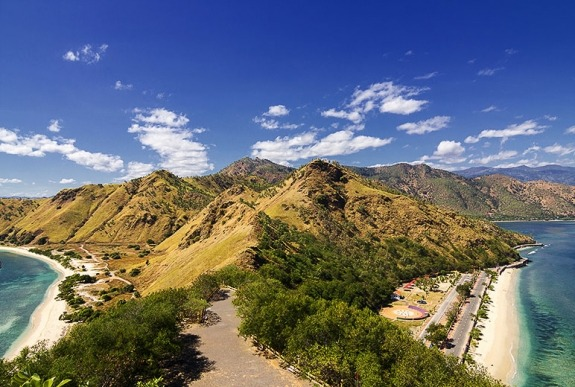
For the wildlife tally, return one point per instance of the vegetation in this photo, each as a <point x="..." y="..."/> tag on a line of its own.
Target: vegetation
<point x="123" y="346"/>
<point x="314" y="302"/>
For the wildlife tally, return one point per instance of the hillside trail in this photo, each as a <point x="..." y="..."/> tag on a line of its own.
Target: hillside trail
<point x="233" y="360"/>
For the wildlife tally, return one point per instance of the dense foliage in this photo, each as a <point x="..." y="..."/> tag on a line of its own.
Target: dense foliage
<point x="314" y="302"/>
<point x="125" y="345"/>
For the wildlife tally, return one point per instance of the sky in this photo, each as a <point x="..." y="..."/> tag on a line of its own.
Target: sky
<point x="107" y="91"/>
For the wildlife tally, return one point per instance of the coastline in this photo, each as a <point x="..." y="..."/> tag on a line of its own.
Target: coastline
<point x="44" y="323"/>
<point x="497" y="350"/>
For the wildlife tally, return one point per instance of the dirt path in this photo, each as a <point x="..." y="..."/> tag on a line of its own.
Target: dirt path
<point x="234" y="360"/>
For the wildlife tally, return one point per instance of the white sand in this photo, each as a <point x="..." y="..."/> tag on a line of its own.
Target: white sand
<point x="44" y="322"/>
<point x="497" y="350"/>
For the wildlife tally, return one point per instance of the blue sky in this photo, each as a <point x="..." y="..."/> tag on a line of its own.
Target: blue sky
<point x="105" y="91"/>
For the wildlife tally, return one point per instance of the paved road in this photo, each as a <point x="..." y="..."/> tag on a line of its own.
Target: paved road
<point x="445" y="305"/>
<point x="235" y="362"/>
<point x="465" y="324"/>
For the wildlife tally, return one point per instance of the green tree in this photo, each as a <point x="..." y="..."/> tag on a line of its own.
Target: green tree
<point x="436" y="334"/>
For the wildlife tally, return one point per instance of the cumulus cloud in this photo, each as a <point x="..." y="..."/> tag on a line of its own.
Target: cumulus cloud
<point x="426" y="126"/>
<point x="427" y="76"/>
<point x="503" y="155"/>
<point x="447" y="152"/>
<point x="558" y="149"/>
<point x="55" y="126"/>
<point x="277" y="111"/>
<point x="67" y="181"/>
<point x="284" y="150"/>
<point x="272" y="123"/>
<point x="488" y="72"/>
<point x="386" y="97"/>
<point x="86" y="54"/>
<point x="165" y="132"/>
<point x="122" y="86"/>
<point x="570" y="130"/>
<point x="136" y="169"/>
<point x="39" y="145"/>
<point x="527" y="128"/>
<point x="9" y="181"/>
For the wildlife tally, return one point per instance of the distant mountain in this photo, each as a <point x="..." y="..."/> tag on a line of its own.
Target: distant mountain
<point x="495" y="196"/>
<point x="551" y="173"/>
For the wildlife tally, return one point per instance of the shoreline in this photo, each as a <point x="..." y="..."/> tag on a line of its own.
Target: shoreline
<point x="44" y="323"/>
<point x="497" y="350"/>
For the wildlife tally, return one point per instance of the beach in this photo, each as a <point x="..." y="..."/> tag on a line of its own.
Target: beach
<point x="44" y="322"/>
<point x="497" y="349"/>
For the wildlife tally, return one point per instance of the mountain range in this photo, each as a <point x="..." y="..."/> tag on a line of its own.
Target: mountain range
<point x="173" y="229"/>
<point x="551" y="173"/>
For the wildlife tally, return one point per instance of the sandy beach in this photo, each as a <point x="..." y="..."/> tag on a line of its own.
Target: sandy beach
<point x="44" y="322"/>
<point x="497" y="349"/>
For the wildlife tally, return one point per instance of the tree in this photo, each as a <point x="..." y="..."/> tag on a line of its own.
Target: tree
<point x="464" y="290"/>
<point x="436" y="334"/>
<point x="22" y="379"/>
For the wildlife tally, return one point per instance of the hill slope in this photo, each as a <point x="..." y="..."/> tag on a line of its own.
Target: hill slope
<point x="337" y="206"/>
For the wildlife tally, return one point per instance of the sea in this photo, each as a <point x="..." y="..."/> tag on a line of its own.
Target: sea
<point x="546" y="305"/>
<point x="23" y="285"/>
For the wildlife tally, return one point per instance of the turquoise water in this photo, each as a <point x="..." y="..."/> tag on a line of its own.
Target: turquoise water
<point x="23" y="284"/>
<point x="546" y="296"/>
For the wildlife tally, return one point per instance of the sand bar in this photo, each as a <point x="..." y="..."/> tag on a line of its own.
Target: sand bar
<point x="44" y="322"/>
<point x="497" y="350"/>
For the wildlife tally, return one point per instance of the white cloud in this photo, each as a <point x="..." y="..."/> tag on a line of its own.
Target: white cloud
<point x="511" y="51"/>
<point x="277" y="111"/>
<point x="67" y="181"/>
<point x="426" y="126"/>
<point x="527" y="128"/>
<point x="136" y="169"/>
<point x="306" y="145"/>
<point x="489" y="109"/>
<point x="409" y="53"/>
<point x="558" y="149"/>
<point x="549" y="117"/>
<point x="426" y="76"/>
<point x="9" y="181"/>
<point x="86" y="54"/>
<point x="121" y="86"/>
<point x="570" y="130"/>
<point x="503" y="155"/>
<point x="385" y="97"/>
<point x="54" y="126"/>
<point x="39" y="145"/>
<point x="488" y="72"/>
<point x="354" y="116"/>
<point x="447" y="152"/>
<point x="165" y="132"/>
<point x="272" y="123"/>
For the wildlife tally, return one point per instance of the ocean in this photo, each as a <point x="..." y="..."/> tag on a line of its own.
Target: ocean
<point x="23" y="284"/>
<point x="546" y="296"/>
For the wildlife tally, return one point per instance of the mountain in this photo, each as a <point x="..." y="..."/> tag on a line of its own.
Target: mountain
<point x="334" y="204"/>
<point x="151" y="207"/>
<point x="495" y="196"/>
<point x="551" y="173"/>
<point x="189" y="226"/>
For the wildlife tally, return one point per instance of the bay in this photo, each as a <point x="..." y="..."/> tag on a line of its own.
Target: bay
<point x="23" y="285"/>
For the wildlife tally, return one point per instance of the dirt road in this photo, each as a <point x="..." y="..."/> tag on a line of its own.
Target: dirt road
<point x="234" y="361"/>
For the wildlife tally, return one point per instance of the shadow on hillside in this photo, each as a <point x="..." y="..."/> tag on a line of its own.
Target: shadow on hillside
<point x="189" y="365"/>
